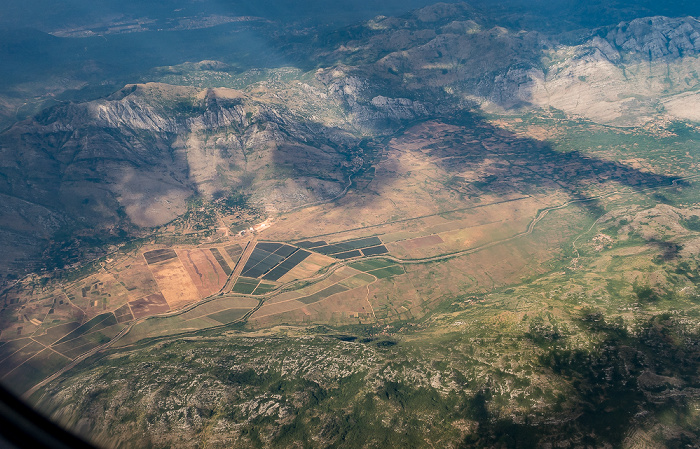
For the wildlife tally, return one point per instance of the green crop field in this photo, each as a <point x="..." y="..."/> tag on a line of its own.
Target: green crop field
<point x="229" y="315"/>
<point x="389" y="271"/>
<point x="264" y="288"/>
<point x="245" y="286"/>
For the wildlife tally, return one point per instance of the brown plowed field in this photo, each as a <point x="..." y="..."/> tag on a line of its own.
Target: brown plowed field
<point x="205" y="272"/>
<point x="149" y="305"/>
<point x="174" y="282"/>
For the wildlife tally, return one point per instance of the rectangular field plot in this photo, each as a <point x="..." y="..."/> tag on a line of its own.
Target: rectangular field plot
<point x="369" y="265"/>
<point x="34" y="371"/>
<point x="349" y="305"/>
<point x="325" y="293"/>
<point x="204" y="270"/>
<point x="123" y="314"/>
<point x="151" y="327"/>
<point x="387" y="272"/>
<point x="98" y="293"/>
<point x="175" y="283"/>
<point x="343" y="247"/>
<point x="268" y="256"/>
<point x="136" y="278"/>
<point x="252" y="267"/>
<point x="421" y="242"/>
<point x="229" y="315"/>
<point x="357" y="281"/>
<point x="219" y="304"/>
<point x="375" y="250"/>
<point x="269" y="246"/>
<point x="17" y="353"/>
<point x="380" y="268"/>
<point x="287" y="265"/>
<point x="95" y="324"/>
<point x="77" y="346"/>
<point x="348" y="254"/>
<point x="164" y="326"/>
<point x="54" y="333"/>
<point x="269" y="310"/>
<point x="221" y="261"/>
<point x="308" y="244"/>
<point x="308" y="267"/>
<point x="264" y="288"/>
<point x="159" y="255"/>
<point x="335" y="278"/>
<point x="149" y="305"/>
<point x="10" y="347"/>
<point x="286" y="251"/>
<point x="234" y="252"/>
<point x="245" y="286"/>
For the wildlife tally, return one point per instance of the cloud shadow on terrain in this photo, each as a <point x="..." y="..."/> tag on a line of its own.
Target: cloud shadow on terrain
<point x="629" y="382"/>
<point x="508" y="163"/>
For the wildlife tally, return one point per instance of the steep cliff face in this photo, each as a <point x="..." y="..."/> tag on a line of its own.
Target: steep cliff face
<point x="625" y="76"/>
<point x="656" y="38"/>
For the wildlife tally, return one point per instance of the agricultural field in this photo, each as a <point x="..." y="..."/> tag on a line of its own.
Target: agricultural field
<point x="471" y="225"/>
<point x="175" y="282"/>
<point x="496" y="251"/>
<point x="206" y="272"/>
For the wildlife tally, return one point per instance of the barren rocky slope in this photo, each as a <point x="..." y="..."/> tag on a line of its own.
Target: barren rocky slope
<point x="137" y="156"/>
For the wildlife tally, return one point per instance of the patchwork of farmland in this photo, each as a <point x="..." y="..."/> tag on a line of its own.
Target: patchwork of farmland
<point x="369" y="246"/>
<point x="392" y="250"/>
<point x="149" y="305"/>
<point x="174" y="282"/>
<point x="267" y="259"/>
<point x="204" y="269"/>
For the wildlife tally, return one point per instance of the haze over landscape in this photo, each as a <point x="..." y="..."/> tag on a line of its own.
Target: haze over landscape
<point x="353" y="224"/>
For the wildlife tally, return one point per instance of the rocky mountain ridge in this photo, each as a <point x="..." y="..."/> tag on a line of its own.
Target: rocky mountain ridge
<point x="135" y="157"/>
